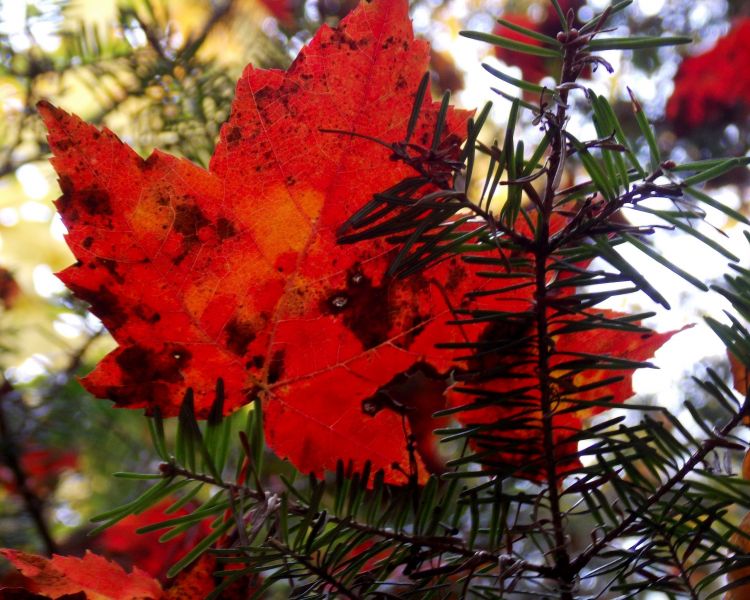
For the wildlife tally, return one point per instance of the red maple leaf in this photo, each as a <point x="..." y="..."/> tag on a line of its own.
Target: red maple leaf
<point x="235" y="273"/>
<point x="512" y="438"/>
<point x="91" y="577"/>
<point x="94" y="577"/>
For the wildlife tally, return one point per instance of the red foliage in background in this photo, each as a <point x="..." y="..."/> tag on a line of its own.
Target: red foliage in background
<point x="713" y="87"/>
<point x="42" y="467"/>
<point x="143" y="550"/>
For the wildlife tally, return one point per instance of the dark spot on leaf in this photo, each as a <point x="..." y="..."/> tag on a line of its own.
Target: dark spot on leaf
<point x="371" y="407"/>
<point x="150" y="162"/>
<point x="397" y="394"/>
<point x="94" y="202"/>
<point x="276" y="366"/>
<point x="63" y="145"/>
<point x="186" y="247"/>
<point x="501" y="346"/>
<point x="224" y="228"/>
<point x="239" y="336"/>
<point x="401" y="83"/>
<point x="189" y="219"/>
<point x="415" y="326"/>
<point x="338" y="302"/>
<point x="415" y="394"/>
<point x="456" y="275"/>
<point x="87" y="243"/>
<point x="363" y="307"/>
<point x="258" y="360"/>
<point x="234" y="136"/>
<point x="142" y="365"/>
<point x="105" y="305"/>
<point x="147" y="314"/>
<point x="66" y="184"/>
<point x="112" y="268"/>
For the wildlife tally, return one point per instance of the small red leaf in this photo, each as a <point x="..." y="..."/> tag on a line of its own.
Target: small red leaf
<point x="95" y="577"/>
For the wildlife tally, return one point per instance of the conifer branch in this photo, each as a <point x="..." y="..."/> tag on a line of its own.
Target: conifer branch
<point x="706" y="447"/>
<point x="437" y="544"/>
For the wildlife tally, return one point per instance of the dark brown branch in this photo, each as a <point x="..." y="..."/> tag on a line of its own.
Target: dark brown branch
<point x="698" y="456"/>
<point x="555" y="125"/>
<point x="11" y="456"/>
<point x="437" y="544"/>
<point x="321" y="572"/>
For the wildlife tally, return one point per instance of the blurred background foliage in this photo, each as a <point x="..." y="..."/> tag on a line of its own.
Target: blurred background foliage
<point x="161" y="73"/>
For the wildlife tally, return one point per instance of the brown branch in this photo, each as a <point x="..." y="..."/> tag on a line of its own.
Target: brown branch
<point x="321" y="572"/>
<point x="11" y="456"/>
<point x="698" y="456"/>
<point x="437" y="544"/>
<point x="557" y="161"/>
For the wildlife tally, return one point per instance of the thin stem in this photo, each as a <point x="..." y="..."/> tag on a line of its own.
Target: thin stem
<point x="698" y="456"/>
<point x="543" y="251"/>
<point x="11" y="456"/>
<point x="684" y="575"/>
<point x="321" y="572"/>
<point x="435" y="543"/>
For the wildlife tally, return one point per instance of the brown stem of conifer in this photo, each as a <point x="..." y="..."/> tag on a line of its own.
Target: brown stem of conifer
<point x="698" y="456"/>
<point x="475" y="557"/>
<point x="321" y="572"/>
<point x="11" y="457"/>
<point x="562" y="567"/>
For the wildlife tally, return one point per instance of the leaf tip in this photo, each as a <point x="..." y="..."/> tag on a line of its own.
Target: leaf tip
<point x="636" y="105"/>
